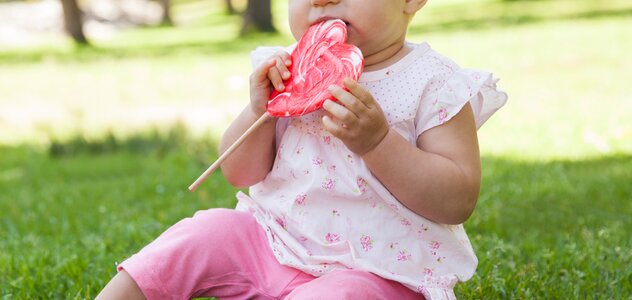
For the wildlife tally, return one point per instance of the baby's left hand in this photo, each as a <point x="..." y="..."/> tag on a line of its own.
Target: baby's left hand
<point x="356" y="119"/>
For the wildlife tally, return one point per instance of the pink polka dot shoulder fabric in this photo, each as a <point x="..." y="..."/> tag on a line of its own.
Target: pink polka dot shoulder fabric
<point x="323" y="210"/>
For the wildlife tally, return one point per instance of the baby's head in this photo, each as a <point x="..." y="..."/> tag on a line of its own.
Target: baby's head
<point x="371" y="24"/>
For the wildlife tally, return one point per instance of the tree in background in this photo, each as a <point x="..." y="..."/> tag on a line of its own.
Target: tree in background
<point x="73" y="22"/>
<point x="258" y="17"/>
<point x="166" y="13"/>
<point x="230" y="8"/>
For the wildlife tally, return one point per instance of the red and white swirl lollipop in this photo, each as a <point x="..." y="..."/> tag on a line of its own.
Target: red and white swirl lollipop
<point x="320" y="59"/>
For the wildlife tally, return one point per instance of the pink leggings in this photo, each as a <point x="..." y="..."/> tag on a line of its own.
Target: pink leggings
<point x="225" y="254"/>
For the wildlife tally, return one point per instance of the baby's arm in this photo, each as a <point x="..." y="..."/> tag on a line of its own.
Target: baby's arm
<point x="252" y="161"/>
<point x="438" y="179"/>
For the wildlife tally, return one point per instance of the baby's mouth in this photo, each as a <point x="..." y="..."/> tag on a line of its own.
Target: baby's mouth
<point x="323" y="19"/>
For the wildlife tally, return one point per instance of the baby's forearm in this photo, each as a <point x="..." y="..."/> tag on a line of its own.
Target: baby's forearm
<point x="429" y="184"/>
<point x="251" y="161"/>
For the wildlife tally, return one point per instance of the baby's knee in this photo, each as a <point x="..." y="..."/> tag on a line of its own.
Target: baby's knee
<point x="216" y="223"/>
<point x="217" y="216"/>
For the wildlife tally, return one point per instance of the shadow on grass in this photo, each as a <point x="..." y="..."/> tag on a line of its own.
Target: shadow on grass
<point x="153" y="141"/>
<point x="542" y="229"/>
<point x="556" y="229"/>
<point x="516" y="195"/>
<point x="519" y="198"/>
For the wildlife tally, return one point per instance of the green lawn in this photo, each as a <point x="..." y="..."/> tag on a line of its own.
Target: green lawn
<point x="98" y="145"/>
<point x="556" y="229"/>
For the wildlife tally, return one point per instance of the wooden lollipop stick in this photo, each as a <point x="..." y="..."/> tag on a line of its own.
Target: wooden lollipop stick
<point x="228" y="151"/>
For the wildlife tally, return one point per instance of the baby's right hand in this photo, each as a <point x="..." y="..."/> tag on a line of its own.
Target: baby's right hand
<point x="269" y="75"/>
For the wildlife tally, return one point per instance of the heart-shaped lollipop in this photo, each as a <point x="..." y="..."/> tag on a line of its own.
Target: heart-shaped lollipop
<point x="320" y="59"/>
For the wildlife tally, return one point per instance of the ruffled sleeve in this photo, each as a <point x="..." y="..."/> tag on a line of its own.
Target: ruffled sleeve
<point x="463" y="86"/>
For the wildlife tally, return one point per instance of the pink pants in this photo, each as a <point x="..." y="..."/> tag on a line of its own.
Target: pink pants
<point x="225" y="254"/>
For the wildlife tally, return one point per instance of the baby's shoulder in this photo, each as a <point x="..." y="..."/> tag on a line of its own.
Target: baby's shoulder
<point x="434" y="65"/>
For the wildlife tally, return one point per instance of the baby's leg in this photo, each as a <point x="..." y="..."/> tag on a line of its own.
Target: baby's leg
<point x="122" y="286"/>
<point x="217" y="252"/>
<point x="352" y="284"/>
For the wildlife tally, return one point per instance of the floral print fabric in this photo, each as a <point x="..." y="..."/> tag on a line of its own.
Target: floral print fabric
<point x="323" y="210"/>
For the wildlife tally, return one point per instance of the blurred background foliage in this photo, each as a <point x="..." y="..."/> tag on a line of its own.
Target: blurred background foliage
<point x="100" y="138"/>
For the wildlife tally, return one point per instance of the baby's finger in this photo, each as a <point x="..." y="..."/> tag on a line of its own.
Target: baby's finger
<point x="334" y="128"/>
<point x="285" y="57"/>
<point x="282" y="68"/>
<point x="276" y="79"/>
<point x="347" y="99"/>
<point x="284" y="60"/>
<point x="260" y="75"/>
<point x="358" y="91"/>
<point x="340" y="112"/>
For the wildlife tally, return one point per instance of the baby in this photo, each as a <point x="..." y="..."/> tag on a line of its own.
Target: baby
<point x="360" y="200"/>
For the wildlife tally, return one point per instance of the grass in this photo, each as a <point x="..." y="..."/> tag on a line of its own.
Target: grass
<point x="556" y="229"/>
<point x="98" y="145"/>
<point x="66" y="221"/>
<point x="551" y="230"/>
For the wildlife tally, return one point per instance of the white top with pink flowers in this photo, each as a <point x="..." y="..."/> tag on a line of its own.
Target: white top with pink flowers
<point x="323" y="210"/>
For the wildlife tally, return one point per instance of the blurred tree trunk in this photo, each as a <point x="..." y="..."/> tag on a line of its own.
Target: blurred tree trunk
<point x="230" y="9"/>
<point x="73" y="21"/>
<point x="258" y="17"/>
<point x="166" y="13"/>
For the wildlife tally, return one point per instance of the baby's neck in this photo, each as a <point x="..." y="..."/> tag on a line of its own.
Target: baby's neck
<point x="386" y="57"/>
